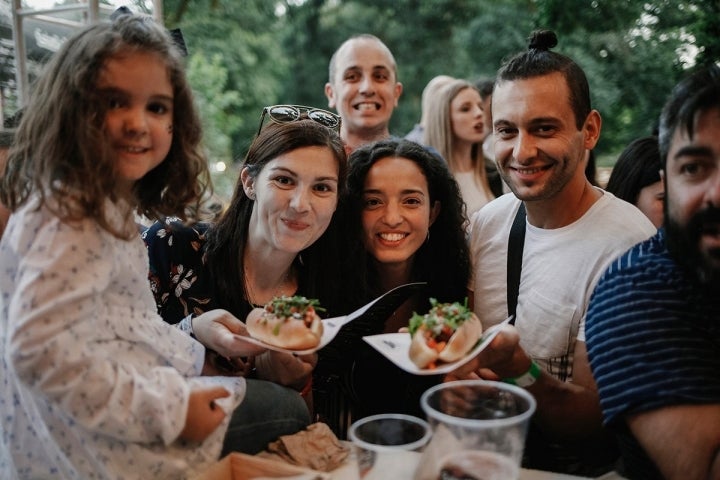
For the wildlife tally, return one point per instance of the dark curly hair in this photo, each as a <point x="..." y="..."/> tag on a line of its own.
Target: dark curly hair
<point x="61" y="151"/>
<point x="444" y="259"/>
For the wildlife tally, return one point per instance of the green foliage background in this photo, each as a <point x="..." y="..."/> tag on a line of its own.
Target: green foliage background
<point x="246" y="54"/>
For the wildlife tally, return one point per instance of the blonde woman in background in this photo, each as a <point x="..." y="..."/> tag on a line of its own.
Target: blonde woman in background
<point x="455" y="129"/>
<point x="435" y="83"/>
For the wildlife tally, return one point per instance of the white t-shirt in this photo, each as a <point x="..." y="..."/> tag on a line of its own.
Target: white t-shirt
<point x="559" y="271"/>
<point x="474" y="197"/>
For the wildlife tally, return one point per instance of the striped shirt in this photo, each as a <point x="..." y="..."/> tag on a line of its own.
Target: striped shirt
<point x="653" y="340"/>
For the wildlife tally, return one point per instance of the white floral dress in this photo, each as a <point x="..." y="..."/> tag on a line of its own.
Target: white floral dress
<point x="93" y="384"/>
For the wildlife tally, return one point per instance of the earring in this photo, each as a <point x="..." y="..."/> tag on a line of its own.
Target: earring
<point x="251" y="194"/>
<point x="428" y="236"/>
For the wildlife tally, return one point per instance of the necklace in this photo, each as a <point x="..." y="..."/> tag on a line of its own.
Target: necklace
<point x="253" y="298"/>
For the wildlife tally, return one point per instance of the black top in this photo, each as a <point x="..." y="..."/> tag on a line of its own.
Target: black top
<point x="179" y="276"/>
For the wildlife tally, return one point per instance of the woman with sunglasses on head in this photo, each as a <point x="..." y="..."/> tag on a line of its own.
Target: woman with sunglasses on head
<point x="405" y="223"/>
<point x="275" y="238"/>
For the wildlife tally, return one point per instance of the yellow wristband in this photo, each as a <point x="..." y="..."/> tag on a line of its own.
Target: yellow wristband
<point x="527" y="378"/>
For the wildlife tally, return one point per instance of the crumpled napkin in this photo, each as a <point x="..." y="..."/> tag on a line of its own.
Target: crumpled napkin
<point x="316" y="447"/>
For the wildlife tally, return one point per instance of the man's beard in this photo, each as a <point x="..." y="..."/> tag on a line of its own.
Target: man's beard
<point x="684" y="245"/>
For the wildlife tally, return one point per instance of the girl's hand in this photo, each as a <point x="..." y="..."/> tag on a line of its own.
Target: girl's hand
<point x="203" y="415"/>
<point x="222" y="332"/>
<point x="285" y="369"/>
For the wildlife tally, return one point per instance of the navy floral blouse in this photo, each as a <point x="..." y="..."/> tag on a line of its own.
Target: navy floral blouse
<point x="179" y="277"/>
<point x="178" y="274"/>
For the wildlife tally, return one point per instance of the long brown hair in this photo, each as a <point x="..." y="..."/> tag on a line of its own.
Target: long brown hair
<point x="227" y="239"/>
<point x="439" y="131"/>
<point x="61" y="152"/>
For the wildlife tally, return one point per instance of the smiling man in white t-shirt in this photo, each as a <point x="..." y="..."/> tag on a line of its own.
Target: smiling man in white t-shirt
<point x="543" y="126"/>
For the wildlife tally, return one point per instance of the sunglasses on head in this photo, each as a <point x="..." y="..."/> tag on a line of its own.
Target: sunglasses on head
<point x="293" y="113"/>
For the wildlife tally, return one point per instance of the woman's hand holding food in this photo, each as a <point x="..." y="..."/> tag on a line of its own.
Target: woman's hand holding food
<point x="286" y="369"/>
<point x="222" y="332"/>
<point x="287" y="322"/>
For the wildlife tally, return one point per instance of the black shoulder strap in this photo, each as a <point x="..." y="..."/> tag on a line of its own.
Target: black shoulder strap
<point x="516" y="242"/>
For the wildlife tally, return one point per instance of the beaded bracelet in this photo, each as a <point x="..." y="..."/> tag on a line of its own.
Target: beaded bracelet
<point x="527" y="378"/>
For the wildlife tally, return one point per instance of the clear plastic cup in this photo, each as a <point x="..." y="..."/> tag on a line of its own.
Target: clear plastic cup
<point x="479" y="430"/>
<point x="388" y="445"/>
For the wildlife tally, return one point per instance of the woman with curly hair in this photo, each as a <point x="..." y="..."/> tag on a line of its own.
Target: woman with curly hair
<point x="405" y="223"/>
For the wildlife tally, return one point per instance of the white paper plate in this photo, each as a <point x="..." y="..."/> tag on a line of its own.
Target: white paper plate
<point x="387" y="303"/>
<point x="396" y="347"/>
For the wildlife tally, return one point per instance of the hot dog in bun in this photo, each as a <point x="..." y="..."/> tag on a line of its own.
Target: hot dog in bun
<point x="287" y="322"/>
<point x="444" y="334"/>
